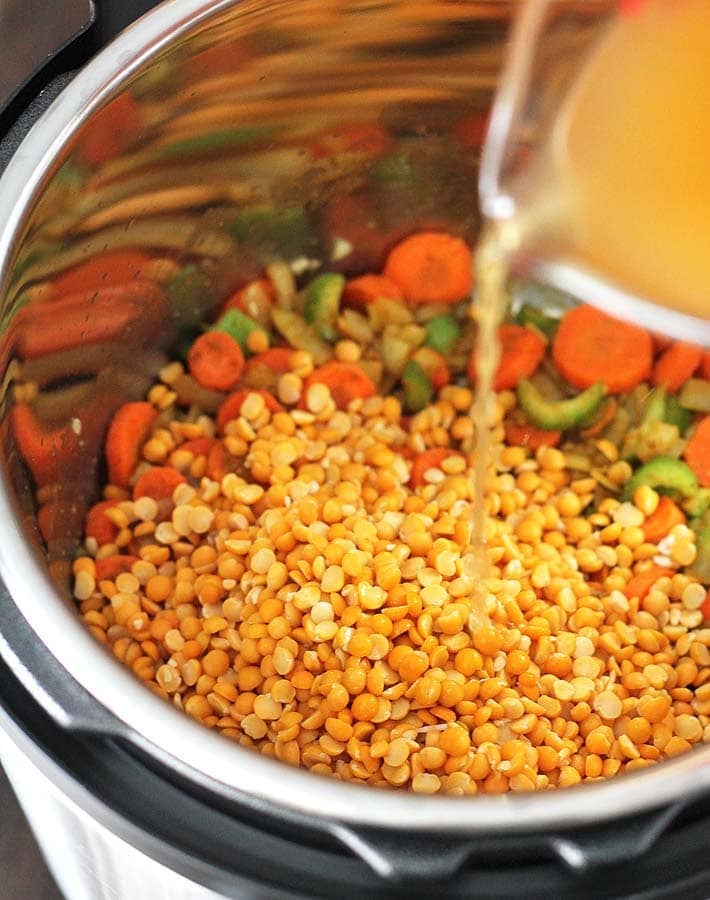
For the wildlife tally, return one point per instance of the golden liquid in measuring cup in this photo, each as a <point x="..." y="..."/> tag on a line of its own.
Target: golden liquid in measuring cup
<point x="631" y="155"/>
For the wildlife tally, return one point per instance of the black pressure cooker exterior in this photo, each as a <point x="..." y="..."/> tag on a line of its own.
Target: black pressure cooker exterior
<point x="239" y="849"/>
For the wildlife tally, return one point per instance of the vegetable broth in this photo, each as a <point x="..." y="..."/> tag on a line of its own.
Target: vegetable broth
<point x="633" y="136"/>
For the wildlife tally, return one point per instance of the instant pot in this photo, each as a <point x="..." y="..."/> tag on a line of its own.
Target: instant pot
<point x="128" y="797"/>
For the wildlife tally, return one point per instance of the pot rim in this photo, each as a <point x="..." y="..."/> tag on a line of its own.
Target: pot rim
<point x="150" y="722"/>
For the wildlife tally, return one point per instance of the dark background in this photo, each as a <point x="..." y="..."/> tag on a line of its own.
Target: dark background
<point x="23" y="873"/>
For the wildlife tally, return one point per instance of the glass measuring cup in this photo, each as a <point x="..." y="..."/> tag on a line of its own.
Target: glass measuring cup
<point x="552" y="43"/>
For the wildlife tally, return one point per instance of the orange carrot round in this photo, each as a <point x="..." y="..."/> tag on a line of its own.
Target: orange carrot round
<point x="217" y="461"/>
<point x="158" y="483"/>
<point x="660" y="522"/>
<point x="639" y="585"/>
<point x="697" y="451"/>
<point x="216" y="361"/>
<point x="367" y="288"/>
<point x="521" y="352"/>
<point x="127" y="433"/>
<point x="705" y="608"/>
<point x="111" y="567"/>
<point x="346" y="381"/>
<point x="431" y="267"/>
<point x="705" y="365"/>
<point x="232" y="406"/>
<point x="111" y="267"/>
<point x="276" y="360"/>
<point x="590" y="346"/>
<point x="429" y="459"/>
<point x="676" y="365"/>
<point x="531" y="436"/>
<point x="98" y="525"/>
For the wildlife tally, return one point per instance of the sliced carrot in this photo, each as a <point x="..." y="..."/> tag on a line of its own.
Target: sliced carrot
<point x="660" y="522"/>
<point x="705" y="608"/>
<point x="260" y="287"/>
<point x="346" y="381"/>
<point x="590" y="346"/>
<point x="110" y="131"/>
<point x="676" y="365"/>
<point x="217" y="461"/>
<point x="367" y="288"/>
<point x="277" y="360"/>
<point x="111" y="567"/>
<point x="216" y="361"/>
<point x="126" y="435"/>
<point x="366" y="138"/>
<point x="111" y="267"/>
<point x="639" y="585"/>
<point x="98" y="525"/>
<point x="531" y="436"/>
<point x="232" y="406"/>
<point x="158" y="483"/>
<point x="112" y="313"/>
<point x="521" y="352"/>
<point x="429" y="459"/>
<point x="42" y="449"/>
<point x="431" y="267"/>
<point x="705" y="365"/>
<point x="697" y="451"/>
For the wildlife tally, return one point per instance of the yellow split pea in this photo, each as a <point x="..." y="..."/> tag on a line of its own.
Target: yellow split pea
<point x="315" y="606"/>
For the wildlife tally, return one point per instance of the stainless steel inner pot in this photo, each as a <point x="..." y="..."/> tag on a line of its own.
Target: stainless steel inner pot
<point x="221" y="98"/>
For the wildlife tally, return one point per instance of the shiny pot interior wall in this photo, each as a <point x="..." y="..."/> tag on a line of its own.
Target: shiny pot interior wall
<point x="293" y="130"/>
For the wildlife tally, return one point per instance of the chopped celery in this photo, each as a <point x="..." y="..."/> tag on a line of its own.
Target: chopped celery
<point x="533" y="315"/>
<point x="442" y="332"/>
<point x="554" y="415"/>
<point x="654" y="407"/>
<point x="418" y="390"/>
<point x="700" y="568"/>
<point x="238" y="325"/>
<point x="676" y="414"/>
<point x="665" y="474"/>
<point x="301" y="335"/>
<point x="695" y="395"/>
<point x="322" y="304"/>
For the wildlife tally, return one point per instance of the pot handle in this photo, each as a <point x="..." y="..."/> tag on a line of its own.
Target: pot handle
<point x="24" y="50"/>
<point x="413" y="859"/>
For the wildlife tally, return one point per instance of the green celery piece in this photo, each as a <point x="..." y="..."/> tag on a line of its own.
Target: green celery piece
<point x="322" y="304"/>
<point x="238" y="325"/>
<point x="442" y="332"/>
<point x="666" y="474"/>
<point x="558" y="415"/>
<point x="418" y="390"/>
